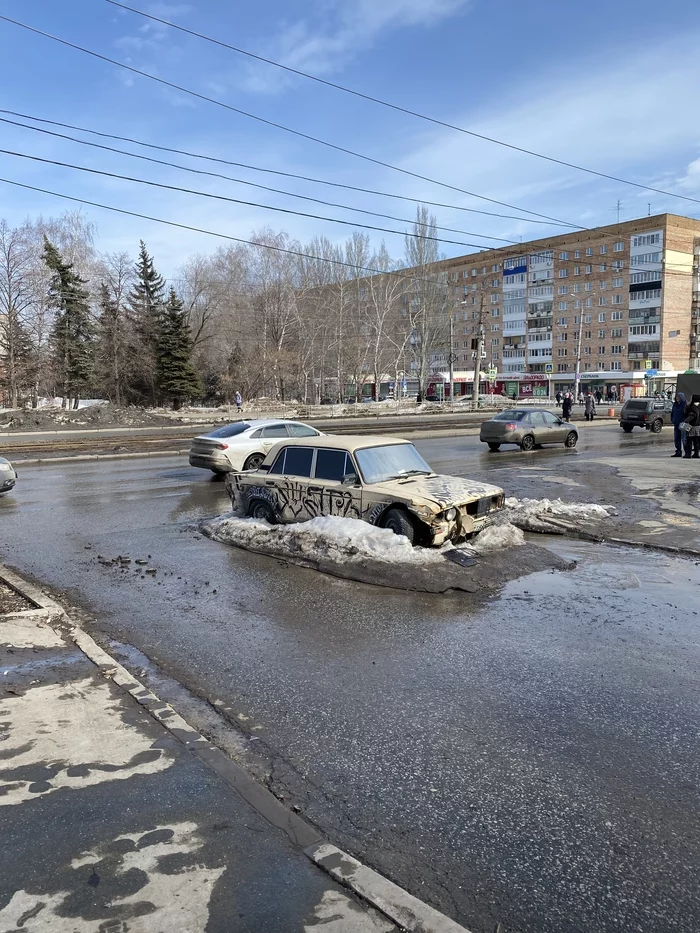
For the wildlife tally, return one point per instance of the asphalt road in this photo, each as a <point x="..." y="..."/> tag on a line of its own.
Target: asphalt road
<point x="534" y="764"/>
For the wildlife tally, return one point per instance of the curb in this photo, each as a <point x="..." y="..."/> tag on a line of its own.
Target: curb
<point x="79" y="457"/>
<point x="399" y="906"/>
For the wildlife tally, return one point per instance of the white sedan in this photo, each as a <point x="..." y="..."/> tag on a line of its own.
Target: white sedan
<point x="244" y="444"/>
<point x="8" y="477"/>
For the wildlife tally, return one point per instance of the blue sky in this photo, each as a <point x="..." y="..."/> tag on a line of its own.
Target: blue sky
<point x="612" y="86"/>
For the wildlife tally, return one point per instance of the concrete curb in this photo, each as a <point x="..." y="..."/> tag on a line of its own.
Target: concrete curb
<point x="398" y="905"/>
<point x="87" y="457"/>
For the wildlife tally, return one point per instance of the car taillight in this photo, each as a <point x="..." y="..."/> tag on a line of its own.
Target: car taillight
<point x="645" y="417"/>
<point x="511" y="426"/>
<point x="221" y="447"/>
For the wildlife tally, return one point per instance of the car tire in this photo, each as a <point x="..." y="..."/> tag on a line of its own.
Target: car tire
<point x="262" y="511"/>
<point x="627" y="428"/>
<point x="571" y="439"/>
<point x="253" y="462"/>
<point x="494" y="447"/>
<point x="527" y="443"/>
<point x="656" y="426"/>
<point x="397" y="520"/>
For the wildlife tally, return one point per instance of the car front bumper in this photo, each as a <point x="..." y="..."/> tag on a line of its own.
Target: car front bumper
<point x="7" y="483"/>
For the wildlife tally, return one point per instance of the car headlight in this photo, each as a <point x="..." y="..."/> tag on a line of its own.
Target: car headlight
<point x="5" y="466"/>
<point x="451" y="515"/>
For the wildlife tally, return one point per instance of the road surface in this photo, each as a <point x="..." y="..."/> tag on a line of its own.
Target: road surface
<point x="534" y="764"/>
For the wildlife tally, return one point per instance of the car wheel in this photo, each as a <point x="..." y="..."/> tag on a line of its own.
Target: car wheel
<point x="571" y="439"/>
<point x="627" y="428"/>
<point x="527" y="443"/>
<point x="494" y="447"/>
<point x="398" y="522"/>
<point x="253" y="462"/>
<point x="262" y="511"/>
<point x="656" y="426"/>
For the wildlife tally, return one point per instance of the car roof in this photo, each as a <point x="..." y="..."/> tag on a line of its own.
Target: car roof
<point x="348" y="442"/>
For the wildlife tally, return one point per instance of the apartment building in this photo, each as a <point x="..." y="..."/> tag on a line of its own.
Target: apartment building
<point x="627" y="295"/>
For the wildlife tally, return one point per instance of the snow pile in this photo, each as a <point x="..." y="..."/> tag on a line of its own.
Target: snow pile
<point x="498" y="537"/>
<point x="328" y="538"/>
<point x="553" y="515"/>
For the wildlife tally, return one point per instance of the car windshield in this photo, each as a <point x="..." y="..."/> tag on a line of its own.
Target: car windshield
<point x="379" y="464"/>
<point x="511" y="415"/>
<point x="230" y="430"/>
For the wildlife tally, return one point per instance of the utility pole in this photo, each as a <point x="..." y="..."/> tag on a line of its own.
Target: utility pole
<point x="577" y="374"/>
<point x="619" y="205"/>
<point x="452" y="360"/>
<point x="477" y="364"/>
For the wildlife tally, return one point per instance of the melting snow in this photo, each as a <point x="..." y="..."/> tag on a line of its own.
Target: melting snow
<point x="555" y="507"/>
<point x="497" y="537"/>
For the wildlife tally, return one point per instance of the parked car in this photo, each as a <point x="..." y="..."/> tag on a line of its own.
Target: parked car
<point x="649" y="413"/>
<point x="8" y="476"/>
<point x="528" y="429"/>
<point x="380" y="480"/>
<point x="244" y="444"/>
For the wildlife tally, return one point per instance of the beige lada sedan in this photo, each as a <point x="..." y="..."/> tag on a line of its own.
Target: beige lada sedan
<point x="380" y="480"/>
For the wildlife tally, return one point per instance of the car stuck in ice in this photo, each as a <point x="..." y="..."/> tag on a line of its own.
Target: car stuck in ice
<point x="380" y="480"/>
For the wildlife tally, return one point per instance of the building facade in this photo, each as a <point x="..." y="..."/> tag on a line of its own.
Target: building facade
<point x="625" y="296"/>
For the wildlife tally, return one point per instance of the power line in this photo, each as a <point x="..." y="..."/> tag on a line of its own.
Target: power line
<point x="223" y="236"/>
<point x="400" y="109"/>
<point x="221" y="197"/>
<point x="272" y="123"/>
<point x="195" y="171"/>
<point x="272" y="171"/>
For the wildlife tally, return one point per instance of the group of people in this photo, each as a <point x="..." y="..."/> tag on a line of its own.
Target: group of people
<point x="686" y="426"/>
<point x="567" y="403"/>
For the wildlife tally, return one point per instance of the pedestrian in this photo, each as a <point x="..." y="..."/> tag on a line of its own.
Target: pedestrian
<point x="692" y="420"/>
<point x="598" y="396"/>
<point x="566" y="406"/>
<point x="590" y="407"/>
<point x="239" y="401"/>
<point x="678" y="418"/>
<point x="558" y="398"/>
<point x="580" y="397"/>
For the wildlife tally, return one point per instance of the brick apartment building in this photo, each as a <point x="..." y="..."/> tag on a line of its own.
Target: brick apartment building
<point x="631" y="289"/>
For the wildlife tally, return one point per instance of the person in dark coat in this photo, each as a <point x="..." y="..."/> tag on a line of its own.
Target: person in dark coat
<point x="692" y="419"/>
<point x="566" y="407"/>
<point x="678" y="418"/>
<point x="590" y="406"/>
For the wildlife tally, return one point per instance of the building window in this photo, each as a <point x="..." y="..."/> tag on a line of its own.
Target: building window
<point x="577" y="270"/>
<point x="617" y="283"/>
<point x="588" y="270"/>
<point x="616" y="316"/>
<point x="589" y="251"/>
<point x="473" y="273"/>
<point x="617" y="299"/>
<point x="562" y="368"/>
<point x="603" y="284"/>
<point x="494" y="357"/>
<point x="602" y="301"/>
<point x="563" y="305"/>
<point x="563" y="289"/>
<point x="619" y="247"/>
<point x="496" y="267"/>
<point x="645" y="259"/>
<point x="617" y="349"/>
<point x="601" y="351"/>
<point x="637" y="278"/>
<point x="588" y="287"/>
<point x="603" y="249"/>
<point x="495" y="312"/>
<point x="495" y="299"/>
<point x="562" y="322"/>
<point x="616" y="365"/>
<point x="563" y="255"/>
<point x="495" y="341"/>
<point x="616" y="332"/>
<point x="495" y="327"/>
<point x="646" y="239"/>
<point x="586" y="318"/>
<point x="586" y="351"/>
<point x="601" y="318"/>
<point x="646" y="294"/>
<point x="465" y="273"/>
<point x="601" y="333"/>
<point x="618" y="265"/>
<point x="588" y="334"/>
<point x="603" y="267"/>
<point x="562" y="352"/>
<point x="577" y="304"/>
<point x="577" y="287"/>
<point x="563" y="273"/>
<point x="495" y="283"/>
<point x="588" y="303"/>
<point x="483" y="270"/>
<point x="562" y="338"/>
<point x="577" y="254"/>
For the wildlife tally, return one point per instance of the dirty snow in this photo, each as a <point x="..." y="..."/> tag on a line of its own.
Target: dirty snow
<point x="497" y="537"/>
<point x="553" y="515"/>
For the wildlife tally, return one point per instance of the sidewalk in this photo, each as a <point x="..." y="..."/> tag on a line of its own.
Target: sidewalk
<point x="114" y="822"/>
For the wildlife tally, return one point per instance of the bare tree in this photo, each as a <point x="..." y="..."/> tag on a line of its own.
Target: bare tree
<point x="16" y="355"/>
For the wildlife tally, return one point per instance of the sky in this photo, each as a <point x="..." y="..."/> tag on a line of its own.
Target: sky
<point x="611" y="86"/>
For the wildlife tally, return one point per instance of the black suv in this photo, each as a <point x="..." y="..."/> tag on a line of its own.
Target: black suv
<point x="649" y="413"/>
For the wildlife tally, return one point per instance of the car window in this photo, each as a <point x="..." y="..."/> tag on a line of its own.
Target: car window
<point x="275" y="430"/>
<point x="536" y="418"/>
<point x="331" y="464"/>
<point x="230" y="430"/>
<point x="549" y="418"/>
<point x="278" y="465"/>
<point x="636" y="404"/>
<point x="298" y="461"/>
<point x="510" y="415"/>
<point x="301" y="430"/>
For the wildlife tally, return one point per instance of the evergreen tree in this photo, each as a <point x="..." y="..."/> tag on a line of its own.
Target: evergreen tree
<point x="146" y="305"/>
<point x="73" y="337"/>
<point x="177" y="378"/>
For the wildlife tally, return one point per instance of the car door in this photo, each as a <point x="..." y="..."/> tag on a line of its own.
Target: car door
<point x="557" y="430"/>
<point x="288" y="481"/>
<point x="298" y="429"/>
<point x="271" y="435"/>
<point x="327" y="492"/>
<point x="538" y="427"/>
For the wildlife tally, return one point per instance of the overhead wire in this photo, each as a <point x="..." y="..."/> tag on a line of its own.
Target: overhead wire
<point x="242" y="181"/>
<point x="222" y="197"/>
<point x="398" y="107"/>
<point x="272" y="123"/>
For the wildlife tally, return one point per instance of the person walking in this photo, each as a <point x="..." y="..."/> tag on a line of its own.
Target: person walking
<point x="558" y="398"/>
<point x="239" y="401"/>
<point x="692" y="419"/>
<point x="589" y="407"/>
<point x="566" y="406"/>
<point x="678" y="418"/>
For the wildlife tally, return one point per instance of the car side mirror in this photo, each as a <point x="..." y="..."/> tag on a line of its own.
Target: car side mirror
<point x="350" y="479"/>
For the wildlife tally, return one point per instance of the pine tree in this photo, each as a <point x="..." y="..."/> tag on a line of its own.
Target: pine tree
<point x="177" y="378"/>
<point x="73" y="338"/>
<point x="146" y="304"/>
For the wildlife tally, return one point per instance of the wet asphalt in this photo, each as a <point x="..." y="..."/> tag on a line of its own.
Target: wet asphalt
<point x="532" y="764"/>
